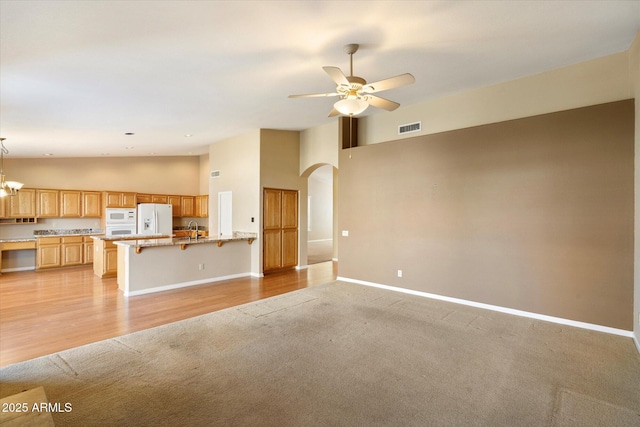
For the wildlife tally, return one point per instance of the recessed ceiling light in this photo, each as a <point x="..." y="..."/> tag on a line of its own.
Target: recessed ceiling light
<point x="104" y="154"/>
<point x="152" y="154"/>
<point x="129" y="133"/>
<point x="129" y="148"/>
<point x="188" y="135"/>
<point x="48" y="154"/>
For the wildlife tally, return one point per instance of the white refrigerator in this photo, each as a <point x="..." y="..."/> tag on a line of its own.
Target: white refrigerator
<point x="155" y="218"/>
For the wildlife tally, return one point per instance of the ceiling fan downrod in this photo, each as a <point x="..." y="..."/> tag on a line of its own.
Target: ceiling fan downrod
<point x="350" y="49"/>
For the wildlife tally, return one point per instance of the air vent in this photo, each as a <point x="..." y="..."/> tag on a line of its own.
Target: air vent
<point x="214" y="174"/>
<point x="408" y="128"/>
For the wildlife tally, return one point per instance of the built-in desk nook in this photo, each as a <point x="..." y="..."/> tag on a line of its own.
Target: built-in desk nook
<point x="16" y="244"/>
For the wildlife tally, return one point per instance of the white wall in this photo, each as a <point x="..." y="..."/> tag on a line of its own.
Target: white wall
<point x="321" y="194"/>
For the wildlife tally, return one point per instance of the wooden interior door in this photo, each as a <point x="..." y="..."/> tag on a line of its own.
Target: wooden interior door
<point x="280" y="229"/>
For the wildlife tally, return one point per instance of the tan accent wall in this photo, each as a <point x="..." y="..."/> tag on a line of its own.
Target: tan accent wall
<point x="319" y="145"/>
<point x="634" y="73"/>
<point x="163" y="175"/>
<point x="279" y="168"/>
<point x="534" y="214"/>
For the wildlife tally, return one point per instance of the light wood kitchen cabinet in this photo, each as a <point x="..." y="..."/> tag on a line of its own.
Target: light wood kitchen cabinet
<point x="187" y="206"/>
<point x="91" y="204"/>
<point x="3" y="207"/>
<point x="48" y="252"/>
<point x="70" y="204"/>
<point x="280" y="229"/>
<point x="87" y="246"/>
<point x="47" y="203"/>
<point x="113" y="199"/>
<point x="63" y="251"/>
<point x="129" y="200"/>
<point x="176" y="204"/>
<point x="105" y="261"/>
<point x="202" y="206"/>
<point x="23" y="204"/>
<point x="71" y="251"/>
<point x="159" y="198"/>
<point x="143" y="198"/>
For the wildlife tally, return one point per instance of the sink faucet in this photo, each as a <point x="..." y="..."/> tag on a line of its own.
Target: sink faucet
<point x="189" y="228"/>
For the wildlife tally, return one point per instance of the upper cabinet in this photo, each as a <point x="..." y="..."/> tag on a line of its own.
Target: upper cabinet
<point x="176" y="204"/>
<point x="31" y="203"/>
<point x="187" y="206"/>
<point x="202" y="206"/>
<point x="113" y="199"/>
<point x="143" y="198"/>
<point x="91" y="204"/>
<point x="159" y="198"/>
<point x="70" y="204"/>
<point x="47" y="203"/>
<point x="23" y="204"/>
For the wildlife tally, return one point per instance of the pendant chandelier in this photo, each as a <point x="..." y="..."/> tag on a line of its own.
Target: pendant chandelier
<point x="7" y="188"/>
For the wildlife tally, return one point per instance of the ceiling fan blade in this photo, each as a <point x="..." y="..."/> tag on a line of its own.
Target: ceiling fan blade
<point x="313" y="95"/>
<point x="385" y="104"/>
<point x="390" y="83"/>
<point x="337" y="75"/>
<point x="334" y="113"/>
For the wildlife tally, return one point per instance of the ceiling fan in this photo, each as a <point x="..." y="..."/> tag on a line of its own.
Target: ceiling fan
<point x="355" y="92"/>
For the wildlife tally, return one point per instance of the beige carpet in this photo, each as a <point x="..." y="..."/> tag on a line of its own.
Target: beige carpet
<point x="343" y="354"/>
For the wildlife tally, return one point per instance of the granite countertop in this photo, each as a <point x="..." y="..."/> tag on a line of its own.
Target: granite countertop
<point x="18" y="239"/>
<point x="153" y="242"/>
<point x="68" y="232"/>
<point x="130" y="237"/>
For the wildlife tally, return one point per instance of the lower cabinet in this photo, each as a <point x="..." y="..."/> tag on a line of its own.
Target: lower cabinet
<point x="87" y="245"/>
<point x="105" y="261"/>
<point x="48" y="252"/>
<point x="71" y="251"/>
<point x="65" y="251"/>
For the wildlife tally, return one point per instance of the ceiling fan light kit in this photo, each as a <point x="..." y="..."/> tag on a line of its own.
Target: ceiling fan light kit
<point x="351" y="106"/>
<point x="354" y="92"/>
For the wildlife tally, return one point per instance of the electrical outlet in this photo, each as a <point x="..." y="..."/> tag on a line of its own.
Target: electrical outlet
<point x="200" y="266"/>
<point x="345" y="233"/>
<point x="399" y="273"/>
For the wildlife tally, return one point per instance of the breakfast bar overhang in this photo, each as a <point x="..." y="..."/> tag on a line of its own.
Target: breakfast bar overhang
<point x="154" y="265"/>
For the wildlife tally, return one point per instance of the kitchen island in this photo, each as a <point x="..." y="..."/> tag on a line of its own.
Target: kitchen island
<point x="154" y="265"/>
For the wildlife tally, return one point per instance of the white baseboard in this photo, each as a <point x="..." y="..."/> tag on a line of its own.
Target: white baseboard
<point x="635" y="340"/>
<point x="515" y="312"/>
<point x="301" y="267"/>
<point x="184" y="284"/>
<point x="319" y="240"/>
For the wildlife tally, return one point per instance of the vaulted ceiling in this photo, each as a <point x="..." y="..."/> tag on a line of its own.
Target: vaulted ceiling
<point x="76" y="76"/>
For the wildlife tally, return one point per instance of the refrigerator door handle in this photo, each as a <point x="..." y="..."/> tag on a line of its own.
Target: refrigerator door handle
<point x="155" y="217"/>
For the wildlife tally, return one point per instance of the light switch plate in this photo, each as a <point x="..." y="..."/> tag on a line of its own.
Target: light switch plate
<point x="345" y="233"/>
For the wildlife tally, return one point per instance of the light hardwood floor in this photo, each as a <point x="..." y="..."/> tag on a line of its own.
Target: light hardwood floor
<point x="49" y="311"/>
